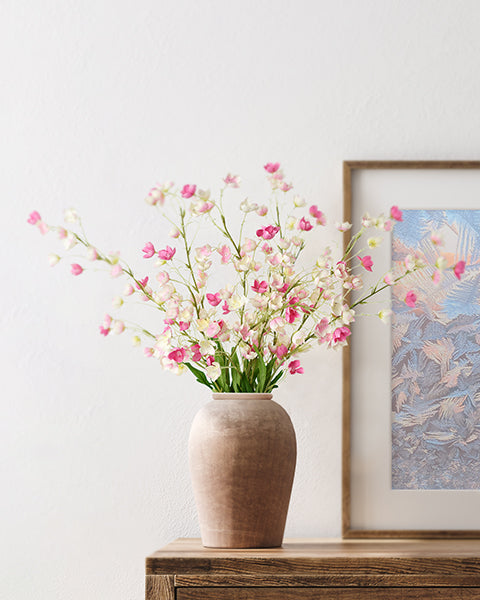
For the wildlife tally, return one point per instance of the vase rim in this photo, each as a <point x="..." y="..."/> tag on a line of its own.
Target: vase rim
<point x="241" y="396"/>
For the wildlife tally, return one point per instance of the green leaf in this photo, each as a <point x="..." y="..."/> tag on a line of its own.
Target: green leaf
<point x="261" y="374"/>
<point x="199" y="375"/>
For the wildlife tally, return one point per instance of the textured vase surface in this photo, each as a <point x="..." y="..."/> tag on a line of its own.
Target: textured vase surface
<point x="242" y="452"/>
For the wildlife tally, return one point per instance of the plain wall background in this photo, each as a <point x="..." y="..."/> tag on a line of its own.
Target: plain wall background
<point x="100" y="100"/>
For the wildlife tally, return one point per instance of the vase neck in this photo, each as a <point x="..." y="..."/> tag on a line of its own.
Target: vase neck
<point x="241" y="396"/>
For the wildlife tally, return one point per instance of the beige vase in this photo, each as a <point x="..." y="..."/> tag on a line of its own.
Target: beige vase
<point x="242" y="451"/>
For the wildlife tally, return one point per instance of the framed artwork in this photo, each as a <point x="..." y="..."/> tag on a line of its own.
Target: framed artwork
<point x="411" y="401"/>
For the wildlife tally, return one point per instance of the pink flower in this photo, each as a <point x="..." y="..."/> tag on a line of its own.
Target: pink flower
<point x="116" y="270"/>
<point x="204" y="251"/>
<point x="232" y="180"/>
<point x="285" y="187"/>
<point x="148" y="352"/>
<point x="33" y="218"/>
<point x="294" y="367"/>
<point x="203" y="207"/>
<point x="291" y="314"/>
<point x="148" y="250"/>
<point x="225" y="308"/>
<point x="410" y="299"/>
<point x="262" y="210"/>
<point x="437" y="275"/>
<point x="396" y="213"/>
<point x="92" y="253"/>
<point x="76" y="269"/>
<point x="305" y="225"/>
<point x="225" y="253"/>
<point x="459" y="269"/>
<point x="388" y="279"/>
<point x="196" y="354"/>
<point x="104" y="330"/>
<point x="321" y="326"/>
<point x="387" y="226"/>
<point x="178" y="355"/>
<point x="367" y="262"/>
<point x="436" y="239"/>
<point x="142" y="283"/>
<point x="155" y="195"/>
<point x="118" y="327"/>
<point x="340" y="334"/>
<point x="345" y="226"/>
<point x="212" y="330"/>
<point x="214" y="299"/>
<point x="43" y="227"/>
<point x="267" y="248"/>
<point x="281" y="351"/>
<point x="268" y="232"/>
<point x="260" y="286"/>
<point x="317" y="214"/>
<point x="188" y="191"/>
<point x="167" y="253"/>
<point x="271" y="167"/>
<point x="183" y="325"/>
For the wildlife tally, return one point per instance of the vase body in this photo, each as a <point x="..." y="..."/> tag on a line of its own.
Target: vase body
<point x="242" y="452"/>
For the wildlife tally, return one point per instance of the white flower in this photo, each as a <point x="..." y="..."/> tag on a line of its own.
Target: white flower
<point x="367" y="221"/>
<point x="290" y="223"/>
<point x="345" y="226"/>
<point x="53" y="259"/>
<point x="117" y="302"/>
<point x="299" y="202"/>
<point x="337" y="306"/>
<point x="237" y="301"/>
<point x="202" y="324"/>
<point x="165" y="292"/>
<point x="71" y="216"/>
<point x="441" y="263"/>
<point x="384" y="315"/>
<point x="136" y="341"/>
<point x="374" y="242"/>
<point x="92" y="253"/>
<point x="246" y="207"/>
<point x="298" y="338"/>
<point x="186" y="314"/>
<point x="213" y="371"/>
<point x="244" y="264"/>
<point x="207" y="347"/>
<point x="118" y="327"/>
<point x="70" y="241"/>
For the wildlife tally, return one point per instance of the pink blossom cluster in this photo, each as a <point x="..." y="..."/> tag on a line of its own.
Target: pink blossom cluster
<point x="247" y="334"/>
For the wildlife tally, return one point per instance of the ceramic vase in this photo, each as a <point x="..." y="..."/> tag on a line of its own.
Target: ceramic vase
<point x="242" y="452"/>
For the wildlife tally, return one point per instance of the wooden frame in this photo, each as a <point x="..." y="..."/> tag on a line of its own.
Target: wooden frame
<point x="349" y="167"/>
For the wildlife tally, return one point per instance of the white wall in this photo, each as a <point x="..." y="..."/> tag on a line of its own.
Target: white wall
<point x="99" y="100"/>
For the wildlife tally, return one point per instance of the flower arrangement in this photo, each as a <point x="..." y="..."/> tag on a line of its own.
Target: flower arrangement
<point x="242" y="336"/>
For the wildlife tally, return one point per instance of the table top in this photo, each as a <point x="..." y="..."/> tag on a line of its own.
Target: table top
<point x="307" y="555"/>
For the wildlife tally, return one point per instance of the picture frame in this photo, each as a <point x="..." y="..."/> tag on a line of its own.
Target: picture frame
<point x="370" y="507"/>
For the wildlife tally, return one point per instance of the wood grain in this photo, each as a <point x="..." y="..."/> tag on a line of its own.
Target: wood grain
<point x="159" y="587"/>
<point x="323" y="557"/>
<point x="349" y="167"/>
<point x="327" y="594"/>
<point x="329" y="580"/>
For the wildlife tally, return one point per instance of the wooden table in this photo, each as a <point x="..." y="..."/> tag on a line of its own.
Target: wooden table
<point x="318" y="569"/>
